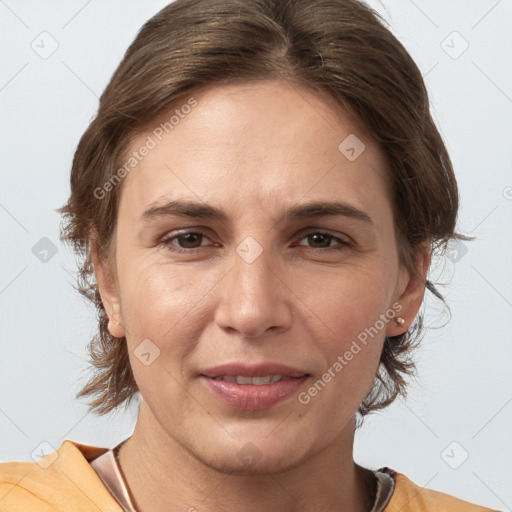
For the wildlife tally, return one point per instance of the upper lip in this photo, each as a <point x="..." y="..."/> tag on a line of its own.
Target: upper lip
<point x="253" y="370"/>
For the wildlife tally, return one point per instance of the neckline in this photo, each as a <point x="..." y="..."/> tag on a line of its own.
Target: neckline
<point x="118" y="486"/>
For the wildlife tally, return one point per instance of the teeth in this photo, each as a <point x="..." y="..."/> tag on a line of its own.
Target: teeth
<point x="255" y="381"/>
<point x="240" y="379"/>
<point x="228" y="378"/>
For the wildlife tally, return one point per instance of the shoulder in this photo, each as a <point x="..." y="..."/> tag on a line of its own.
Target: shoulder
<point x="411" y="497"/>
<point x="59" y="479"/>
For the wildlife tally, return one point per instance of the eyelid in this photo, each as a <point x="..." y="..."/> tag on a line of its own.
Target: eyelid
<point x="166" y="241"/>
<point x="171" y="236"/>
<point x="325" y="231"/>
<point x="342" y="238"/>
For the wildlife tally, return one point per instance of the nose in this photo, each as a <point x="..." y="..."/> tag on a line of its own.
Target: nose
<point x="254" y="299"/>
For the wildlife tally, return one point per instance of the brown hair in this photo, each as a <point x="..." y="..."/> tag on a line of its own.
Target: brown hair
<point x="340" y="47"/>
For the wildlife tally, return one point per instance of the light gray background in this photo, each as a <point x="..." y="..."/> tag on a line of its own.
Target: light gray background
<point x="460" y="404"/>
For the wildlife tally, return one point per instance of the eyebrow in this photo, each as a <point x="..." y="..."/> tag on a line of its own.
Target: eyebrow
<point x="185" y="209"/>
<point x="205" y="211"/>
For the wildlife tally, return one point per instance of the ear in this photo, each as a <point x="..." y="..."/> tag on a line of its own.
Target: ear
<point x="109" y="294"/>
<point x="410" y="291"/>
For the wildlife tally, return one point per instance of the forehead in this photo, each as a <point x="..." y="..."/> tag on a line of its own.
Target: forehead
<point x="266" y="141"/>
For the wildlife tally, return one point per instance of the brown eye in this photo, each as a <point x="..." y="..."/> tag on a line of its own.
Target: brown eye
<point x="186" y="242"/>
<point x="320" y="239"/>
<point x="323" y="240"/>
<point x="190" y="240"/>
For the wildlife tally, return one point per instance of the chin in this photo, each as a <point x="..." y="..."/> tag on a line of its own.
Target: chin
<point x="249" y="460"/>
<point x="254" y="451"/>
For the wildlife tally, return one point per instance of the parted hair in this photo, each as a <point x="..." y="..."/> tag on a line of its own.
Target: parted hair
<point x="339" y="47"/>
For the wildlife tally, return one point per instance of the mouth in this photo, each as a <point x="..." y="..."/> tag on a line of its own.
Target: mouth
<point x="266" y="369"/>
<point x="255" y="381"/>
<point x="253" y="387"/>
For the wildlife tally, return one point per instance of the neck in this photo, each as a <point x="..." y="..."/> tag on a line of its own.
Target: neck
<point x="163" y="475"/>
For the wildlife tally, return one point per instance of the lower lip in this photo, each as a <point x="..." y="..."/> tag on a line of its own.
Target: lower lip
<point x="254" y="397"/>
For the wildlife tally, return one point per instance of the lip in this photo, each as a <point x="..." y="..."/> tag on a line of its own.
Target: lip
<point x="253" y="370"/>
<point x="249" y="396"/>
<point x="253" y="397"/>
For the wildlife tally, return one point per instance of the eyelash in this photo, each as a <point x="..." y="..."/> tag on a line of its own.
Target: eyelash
<point x="166" y="242"/>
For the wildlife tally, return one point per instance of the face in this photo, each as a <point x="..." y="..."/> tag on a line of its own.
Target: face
<point x="249" y="244"/>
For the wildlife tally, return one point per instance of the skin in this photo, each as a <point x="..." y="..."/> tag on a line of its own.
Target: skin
<point x="254" y="150"/>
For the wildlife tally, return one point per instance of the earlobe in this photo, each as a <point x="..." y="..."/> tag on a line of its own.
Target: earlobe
<point x="109" y="296"/>
<point x="411" y="292"/>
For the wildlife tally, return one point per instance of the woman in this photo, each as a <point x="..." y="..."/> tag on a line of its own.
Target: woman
<point x="257" y="203"/>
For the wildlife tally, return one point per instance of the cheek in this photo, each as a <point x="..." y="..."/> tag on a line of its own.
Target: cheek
<point x="164" y="304"/>
<point x="150" y="290"/>
<point x="352" y="303"/>
<point x="354" y="307"/>
<point x="161" y="309"/>
<point x="351" y="356"/>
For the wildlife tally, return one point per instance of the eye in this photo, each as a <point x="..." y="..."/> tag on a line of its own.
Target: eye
<point x="323" y="240"/>
<point x="185" y="241"/>
<point x="190" y="241"/>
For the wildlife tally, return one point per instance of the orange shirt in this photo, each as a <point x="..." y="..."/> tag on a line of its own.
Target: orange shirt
<point x="64" y="481"/>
